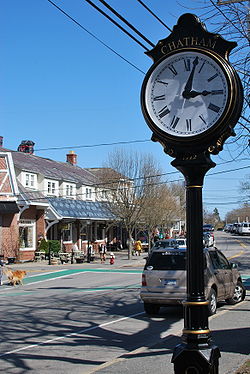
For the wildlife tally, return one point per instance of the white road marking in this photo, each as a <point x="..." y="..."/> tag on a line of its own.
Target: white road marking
<point x="71" y="334"/>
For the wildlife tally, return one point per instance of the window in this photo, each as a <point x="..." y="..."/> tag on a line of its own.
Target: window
<point x="67" y="232"/>
<point x="219" y="261"/>
<point x="168" y="260"/>
<point x="30" y="180"/>
<point x="69" y="190"/>
<point x="51" y="188"/>
<point x="88" y="193"/>
<point x="27" y="234"/>
<point x="104" y="194"/>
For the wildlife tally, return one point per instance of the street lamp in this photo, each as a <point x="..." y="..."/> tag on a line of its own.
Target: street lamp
<point x="188" y="101"/>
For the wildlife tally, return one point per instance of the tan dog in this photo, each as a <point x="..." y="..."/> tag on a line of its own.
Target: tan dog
<point x="15" y="276"/>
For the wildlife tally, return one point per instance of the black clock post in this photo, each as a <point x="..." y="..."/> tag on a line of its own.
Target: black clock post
<point x="196" y="353"/>
<point x="191" y="99"/>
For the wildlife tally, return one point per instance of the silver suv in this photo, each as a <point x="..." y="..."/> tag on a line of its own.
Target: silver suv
<point x="164" y="278"/>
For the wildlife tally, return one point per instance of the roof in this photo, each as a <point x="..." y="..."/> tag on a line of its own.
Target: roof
<point x="30" y="197"/>
<point x="52" y="169"/>
<point x="79" y="209"/>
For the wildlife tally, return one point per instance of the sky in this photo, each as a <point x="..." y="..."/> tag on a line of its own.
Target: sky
<point x="67" y="87"/>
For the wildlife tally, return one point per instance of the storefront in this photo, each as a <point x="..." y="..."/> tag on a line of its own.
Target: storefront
<point x="77" y="222"/>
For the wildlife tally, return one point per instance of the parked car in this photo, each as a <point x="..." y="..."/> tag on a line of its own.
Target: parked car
<point x="164" y="279"/>
<point x="208" y="239"/>
<point x="208" y="227"/>
<point x="244" y="228"/>
<point x="172" y="242"/>
<point x="235" y="228"/>
<point x="227" y="227"/>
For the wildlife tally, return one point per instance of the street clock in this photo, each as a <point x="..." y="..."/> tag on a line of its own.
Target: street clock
<point x="191" y="96"/>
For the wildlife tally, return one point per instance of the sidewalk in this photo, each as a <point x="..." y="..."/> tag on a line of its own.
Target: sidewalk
<point x="121" y="259"/>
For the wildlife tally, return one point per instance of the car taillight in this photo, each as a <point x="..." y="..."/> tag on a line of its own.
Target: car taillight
<point x="143" y="280"/>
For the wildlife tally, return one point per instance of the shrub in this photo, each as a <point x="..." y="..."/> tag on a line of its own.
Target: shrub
<point x="55" y="246"/>
<point x="43" y="246"/>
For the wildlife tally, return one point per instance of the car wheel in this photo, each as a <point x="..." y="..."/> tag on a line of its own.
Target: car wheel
<point x="239" y="294"/>
<point x="212" y="306"/>
<point x="151" y="309"/>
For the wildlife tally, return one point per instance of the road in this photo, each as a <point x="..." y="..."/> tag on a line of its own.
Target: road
<point x="80" y="318"/>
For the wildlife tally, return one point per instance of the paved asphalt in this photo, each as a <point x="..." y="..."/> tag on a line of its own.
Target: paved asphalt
<point x="230" y="329"/>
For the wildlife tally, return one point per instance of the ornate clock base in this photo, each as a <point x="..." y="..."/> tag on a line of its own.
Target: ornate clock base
<point x="188" y="360"/>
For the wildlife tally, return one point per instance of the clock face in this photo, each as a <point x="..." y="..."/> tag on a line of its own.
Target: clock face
<point x="186" y="94"/>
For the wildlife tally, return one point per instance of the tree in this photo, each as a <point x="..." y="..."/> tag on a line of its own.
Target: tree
<point x="240" y="214"/>
<point x="245" y="187"/>
<point x="129" y="179"/>
<point x="213" y="218"/>
<point x="161" y="208"/>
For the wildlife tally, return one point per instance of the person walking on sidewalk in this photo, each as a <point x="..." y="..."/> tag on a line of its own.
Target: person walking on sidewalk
<point x="102" y="252"/>
<point x="138" y="247"/>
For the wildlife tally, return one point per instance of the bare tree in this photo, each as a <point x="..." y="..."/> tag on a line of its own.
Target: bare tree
<point x="240" y="214"/>
<point x="129" y="178"/>
<point x="162" y="207"/>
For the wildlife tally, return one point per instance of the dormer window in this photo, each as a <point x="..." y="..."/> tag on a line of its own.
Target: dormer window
<point x="51" y="187"/>
<point x="69" y="190"/>
<point x="88" y="193"/>
<point x="30" y="180"/>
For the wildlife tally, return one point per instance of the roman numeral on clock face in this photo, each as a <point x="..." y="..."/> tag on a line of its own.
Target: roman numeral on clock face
<point x="162" y="82"/>
<point x="213" y="77"/>
<point x="214" y="107"/>
<point x="174" y="122"/>
<point x="201" y="67"/>
<point x="203" y="119"/>
<point x="160" y="97"/>
<point x="189" y="124"/>
<point x="172" y="68"/>
<point x="187" y="64"/>
<point x="217" y="92"/>
<point x="164" y="111"/>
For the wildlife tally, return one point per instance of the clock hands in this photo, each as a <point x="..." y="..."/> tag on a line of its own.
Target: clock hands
<point x="192" y="94"/>
<point x="189" y="83"/>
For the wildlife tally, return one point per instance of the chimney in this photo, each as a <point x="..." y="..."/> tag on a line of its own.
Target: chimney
<point x="1" y="141"/>
<point x="26" y="146"/>
<point x="72" y="158"/>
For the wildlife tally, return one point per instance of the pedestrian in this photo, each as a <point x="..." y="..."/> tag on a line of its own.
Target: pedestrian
<point x="138" y="247"/>
<point x="1" y="270"/>
<point x="89" y="252"/>
<point x="112" y="258"/>
<point x="102" y="252"/>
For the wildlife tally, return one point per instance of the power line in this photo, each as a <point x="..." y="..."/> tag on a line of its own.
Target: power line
<point x="95" y="37"/>
<point x="116" y="23"/>
<point x="93" y="145"/>
<point x="153" y="14"/>
<point x="228" y="171"/>
<point x="126" y="22"/>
